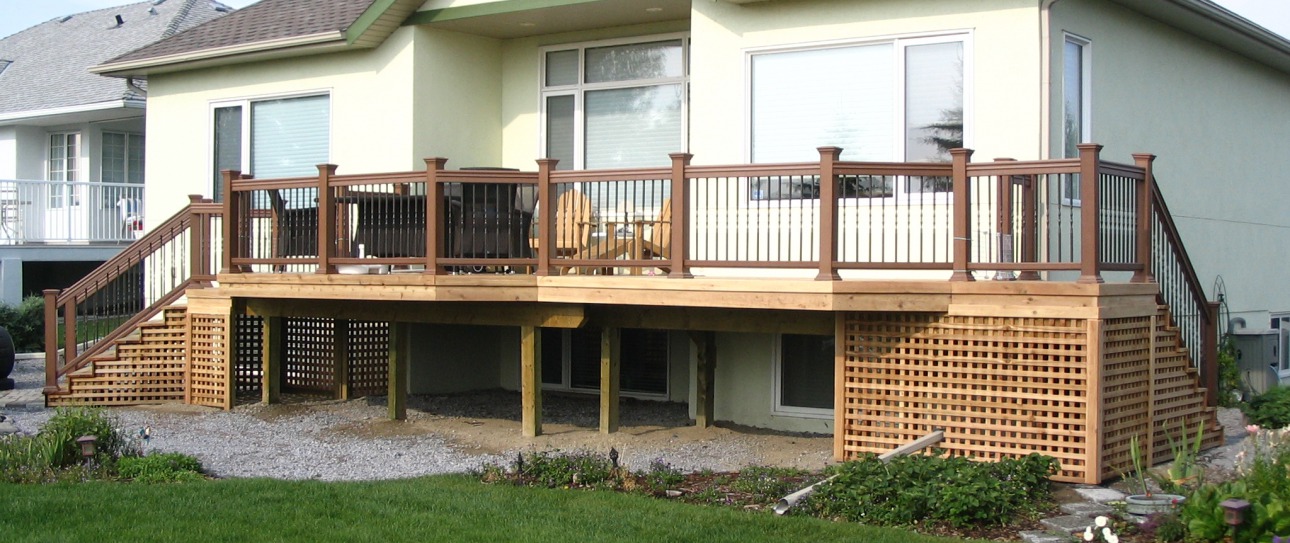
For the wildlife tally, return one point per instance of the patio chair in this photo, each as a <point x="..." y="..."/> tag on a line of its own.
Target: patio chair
<point x="295" y="230"/>
<point x="572" y="220"/>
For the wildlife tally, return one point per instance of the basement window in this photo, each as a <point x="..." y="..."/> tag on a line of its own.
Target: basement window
<point x="571" y="361"/>
<point x="804" y="367"/>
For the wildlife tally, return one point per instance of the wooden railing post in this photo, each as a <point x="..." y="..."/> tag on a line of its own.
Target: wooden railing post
<point x="1090" y="217"/>
<point x="1029" y="226"/>
<point x="436" y="230"/>
<point x="680" y="242"/>
<point x="326" y="219"/>
<point x="546" y="217"/>
<point x="828" y="214"/>
<point x="69" y="328"/>
<point x="231" y="226"/>
<point x="51" y="340"/>
<point x="1004" y="214"/>
<point x="198" y="238"/>
<point x="1209" y="344"/>
<point x="962" y="205"/>
<point x="1144" y="275"/>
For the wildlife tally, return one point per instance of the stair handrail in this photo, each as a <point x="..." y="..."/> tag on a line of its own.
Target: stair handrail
<point x="194" y="220"/>
<point x="1167" y="243"/>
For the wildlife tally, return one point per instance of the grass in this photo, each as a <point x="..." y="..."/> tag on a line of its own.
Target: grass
<point x="444" y="508"/>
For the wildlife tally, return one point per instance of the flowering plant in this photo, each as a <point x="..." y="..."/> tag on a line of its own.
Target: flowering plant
<point x="1102" y="532"/>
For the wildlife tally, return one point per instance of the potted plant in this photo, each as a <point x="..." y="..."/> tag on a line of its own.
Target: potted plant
<point x="1147" y="502"/>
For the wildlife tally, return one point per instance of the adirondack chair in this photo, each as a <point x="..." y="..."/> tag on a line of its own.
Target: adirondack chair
<point x="572" y="221"/>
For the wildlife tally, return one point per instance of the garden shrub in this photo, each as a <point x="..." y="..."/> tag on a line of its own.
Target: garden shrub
<point x="1230" y="388"/>
<point x="916" y="489"/>
<point x="661" y="476"/>
<point x="1264" y="481"/>
<point x="768" y="484"/>
<point x="159" y="468"/>
<point x="554" y="468"/>
<point x="1270" y="409"/>
<point x="25" y="323"/>
<point x="67" y="424"/>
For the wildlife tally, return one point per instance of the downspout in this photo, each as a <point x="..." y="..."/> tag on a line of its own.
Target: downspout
<point x="1045" y="78"/>
<point x="130" y="84"/>
<point x="787" y="502"/>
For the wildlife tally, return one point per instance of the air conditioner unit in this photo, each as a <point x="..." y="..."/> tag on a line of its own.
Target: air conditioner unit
<point x="1258" y="355"/>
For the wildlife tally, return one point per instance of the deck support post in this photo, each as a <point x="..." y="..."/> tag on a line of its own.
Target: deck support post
<point x="962" y="219"/>
<point x="546" y="217"/>
<point x="828" y="214"/>
<point x="1093" y="360"/>
<point x="398" y="380"/>
<point x="610" y="364"/>
<point x="680" y="242"/>
<point x="705" y="383"/>
<point x="839" y="385"/>
<point x="340" y="358"/>
<point x="531" y="379"/>
<point x="1143" y="226"/>
<point x="274" y="331"/>
<point x="326" y="219"/>
<point x="1090" y="265"/>
<point x="434" y="216"/>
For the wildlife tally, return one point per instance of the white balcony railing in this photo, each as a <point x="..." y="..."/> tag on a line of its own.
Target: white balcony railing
<point x="69" y="212"/>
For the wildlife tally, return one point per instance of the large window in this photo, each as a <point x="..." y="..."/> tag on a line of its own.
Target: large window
<point x="122" y="158"/>
<point x="571" y="360"/>
<point x="63" y="165"/>
<point x="804" y="369"/>
<point x="895" y="100"/>
<point x="614" y="105"/>
<point x="1075" y="104"/>
<point x="283" y="137"/>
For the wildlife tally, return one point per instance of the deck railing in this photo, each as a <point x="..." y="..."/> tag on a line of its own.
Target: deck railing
<point x="1066" y="219"/>
<point x="69" y="212"/>
<point x="131" y="288"/>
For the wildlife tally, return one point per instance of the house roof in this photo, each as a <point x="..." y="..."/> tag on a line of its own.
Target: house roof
<point x="283" y="28"/>
<point x="46" y="66"/>
<point x="272" y="27"/>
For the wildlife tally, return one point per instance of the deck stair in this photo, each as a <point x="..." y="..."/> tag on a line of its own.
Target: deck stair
<point x="146" y="366"/>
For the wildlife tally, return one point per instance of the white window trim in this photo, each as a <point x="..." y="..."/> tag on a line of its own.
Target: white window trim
<point x="579" y="89"/>
<point x="778" y="408"/>
<point x="245" y="103"/>
<point x="1086" y="99"/>
<point x="126" y="158"/>
<point x="1283" y="345"/>
<point x="899" y="42"/>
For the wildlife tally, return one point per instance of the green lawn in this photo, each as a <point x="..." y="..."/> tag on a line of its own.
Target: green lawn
<point x="450" y="508"/>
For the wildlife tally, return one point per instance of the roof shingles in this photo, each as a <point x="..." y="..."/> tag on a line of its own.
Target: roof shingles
<point x="263" y="21"/>
<point x="50" y="62"/>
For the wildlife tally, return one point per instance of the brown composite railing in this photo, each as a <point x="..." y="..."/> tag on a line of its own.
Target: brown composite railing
<point x="1071" y="219"/>
<point x="132" y="287"/>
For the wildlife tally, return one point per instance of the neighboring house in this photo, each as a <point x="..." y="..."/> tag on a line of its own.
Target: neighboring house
<point x="72" y="142"/>
<point x="612" y="84"/>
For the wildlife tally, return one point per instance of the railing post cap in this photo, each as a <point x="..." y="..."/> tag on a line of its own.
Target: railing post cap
<point x="1144" y="156"/>
<point x="50" y="292"/>
<point x="328" y="168"/>
<point x="436" y="162"/>
<point x="961" y="151"/>
<point x="1087" y="146"/>
<point x="548" y="162"/>
<point x="829" y="151"/>
<point x="681" y="156"/>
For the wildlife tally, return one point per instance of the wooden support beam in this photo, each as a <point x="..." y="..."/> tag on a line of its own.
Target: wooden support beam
<point x="531" y="380"/>
<point x="705" y="383"/>
<point x="547" y="315"/>
<point x="398" y="380"/>
<point x="610" y="365"/>
<point x="1096" y="409"/>
<point x="272" y="346"/>
<point x="340" y="351"/>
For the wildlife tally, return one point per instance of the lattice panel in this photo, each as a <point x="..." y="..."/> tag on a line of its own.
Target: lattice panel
<point x="999" y="387"/>
<point x="1131" y="381"/>
<point x="310" y="363"/>
<point x="247" y="367"/>
<point x="369" y="358"/>
<point x="145" y="367"/>
<point x="209" y="372"/>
